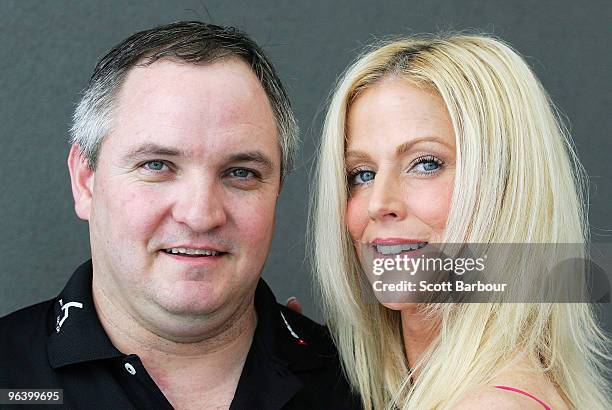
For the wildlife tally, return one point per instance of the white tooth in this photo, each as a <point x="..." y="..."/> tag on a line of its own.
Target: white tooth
<point x="389" y="249"/>
<point x="190" y="251"/>
<point x="395" y="249"/>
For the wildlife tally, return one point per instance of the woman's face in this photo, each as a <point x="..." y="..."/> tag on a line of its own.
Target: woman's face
<point x="400" y="165"/>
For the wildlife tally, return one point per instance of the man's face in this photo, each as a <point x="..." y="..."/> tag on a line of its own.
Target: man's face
<point x="183" y="196"/>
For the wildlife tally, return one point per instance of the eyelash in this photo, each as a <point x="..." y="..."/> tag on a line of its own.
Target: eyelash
<point x="420" y="160"/>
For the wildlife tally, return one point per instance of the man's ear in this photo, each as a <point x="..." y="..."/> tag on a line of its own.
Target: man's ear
<point x="81" y="180"/>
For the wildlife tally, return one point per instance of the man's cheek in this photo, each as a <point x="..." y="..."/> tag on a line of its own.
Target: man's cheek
<point x="139" y="210"/>
<point x="256" y="224"/>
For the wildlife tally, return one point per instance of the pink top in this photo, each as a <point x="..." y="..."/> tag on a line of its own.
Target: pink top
<point x="524" y="393"/>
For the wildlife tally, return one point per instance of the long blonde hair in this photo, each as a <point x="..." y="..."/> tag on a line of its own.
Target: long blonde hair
<point x="518" y="180"/>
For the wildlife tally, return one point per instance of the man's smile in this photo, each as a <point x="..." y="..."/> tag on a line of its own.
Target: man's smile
<point x="193" y="252"/>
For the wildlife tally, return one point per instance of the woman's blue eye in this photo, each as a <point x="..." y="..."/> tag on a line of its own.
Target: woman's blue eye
<point x="362" y="177"/>
<point x="427" y="165"/>
<point x="154" y="165"/>
<point x="430" y="166"/>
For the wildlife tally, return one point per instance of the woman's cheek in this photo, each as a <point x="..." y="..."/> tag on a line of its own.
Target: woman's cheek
<point x="357" y="217"/>
<point x="431" y="203"/>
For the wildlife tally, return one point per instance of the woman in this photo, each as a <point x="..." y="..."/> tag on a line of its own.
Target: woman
<point x="451" y="140"/>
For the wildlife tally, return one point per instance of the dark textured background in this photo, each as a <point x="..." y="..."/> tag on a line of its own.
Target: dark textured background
<point x="49" y="48"/>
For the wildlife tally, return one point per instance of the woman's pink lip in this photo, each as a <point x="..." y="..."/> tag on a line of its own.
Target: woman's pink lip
<point x="395" y="241"/>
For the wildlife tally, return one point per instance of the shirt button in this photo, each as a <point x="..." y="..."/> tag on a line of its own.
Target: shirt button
<point x="130" y="369"/>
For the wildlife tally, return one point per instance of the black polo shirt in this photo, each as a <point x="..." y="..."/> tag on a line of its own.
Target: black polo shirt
<point x="60" y="344"/>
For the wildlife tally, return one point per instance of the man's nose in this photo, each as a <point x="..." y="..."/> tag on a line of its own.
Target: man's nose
<point x="200" y="205"/>
<point x="386" y="199"/>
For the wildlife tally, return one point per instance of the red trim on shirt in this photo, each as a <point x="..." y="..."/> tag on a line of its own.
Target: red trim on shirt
<point x="524" y="393"/>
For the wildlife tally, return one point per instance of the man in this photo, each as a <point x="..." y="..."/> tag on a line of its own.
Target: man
<point x="179" y="149"/>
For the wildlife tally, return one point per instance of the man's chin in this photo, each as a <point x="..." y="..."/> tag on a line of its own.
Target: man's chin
<point x="194" y="305"/>
<point x="186" y="309"/>
<point x="184" y="319"/>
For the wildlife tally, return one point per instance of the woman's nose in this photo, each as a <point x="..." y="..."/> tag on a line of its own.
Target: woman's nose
<point x="386" y="199"/>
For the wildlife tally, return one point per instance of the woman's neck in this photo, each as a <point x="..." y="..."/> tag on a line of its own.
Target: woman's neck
<point x="418" y="331"/>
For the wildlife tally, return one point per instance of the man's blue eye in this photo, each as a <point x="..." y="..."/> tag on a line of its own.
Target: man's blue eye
<point x="242" y="173"/>
<point x="154" y="165"/>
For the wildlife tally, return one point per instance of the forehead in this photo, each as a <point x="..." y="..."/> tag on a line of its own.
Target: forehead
<point x="195" y="106"/>
<point x="394" y="111"/>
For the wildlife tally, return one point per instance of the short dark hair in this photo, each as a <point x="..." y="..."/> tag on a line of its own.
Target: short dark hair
<point x="189" y="41"/>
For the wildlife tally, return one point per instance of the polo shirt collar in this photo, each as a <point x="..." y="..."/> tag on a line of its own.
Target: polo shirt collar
<point x="285" y="342"/>
<point x="76" y="334"/>
<point x="279" y="351"/>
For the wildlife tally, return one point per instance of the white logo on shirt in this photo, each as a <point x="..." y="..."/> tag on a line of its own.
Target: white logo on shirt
<point x="59" y="322"/>
<point x="289" y="327"/>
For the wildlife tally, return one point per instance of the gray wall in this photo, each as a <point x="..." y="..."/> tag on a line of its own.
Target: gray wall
<point x="48" y="50"/>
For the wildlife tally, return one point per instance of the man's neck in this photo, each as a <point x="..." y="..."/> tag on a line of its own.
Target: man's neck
<point x="181" y="370"/>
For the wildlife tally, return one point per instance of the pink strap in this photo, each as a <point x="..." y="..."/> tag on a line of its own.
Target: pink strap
<point x="524" y="393"/>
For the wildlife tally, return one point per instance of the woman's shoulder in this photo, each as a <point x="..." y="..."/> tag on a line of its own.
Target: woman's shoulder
<point x="492" y="397"/>
<point x="518" y="387"/>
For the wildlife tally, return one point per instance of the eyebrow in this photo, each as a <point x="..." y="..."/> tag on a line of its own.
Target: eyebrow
<point x="150" y="149"/>
<point x="252" y="156"/>
<point x="401" y="149"/>
<point x="153" y="150"/>
<point x="356" y="156"/>
<point x="405" y="147"/>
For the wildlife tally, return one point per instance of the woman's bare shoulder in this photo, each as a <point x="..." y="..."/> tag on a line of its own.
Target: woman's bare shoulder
<point x="489" y="397"/>
<point x="519" y="386"/>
